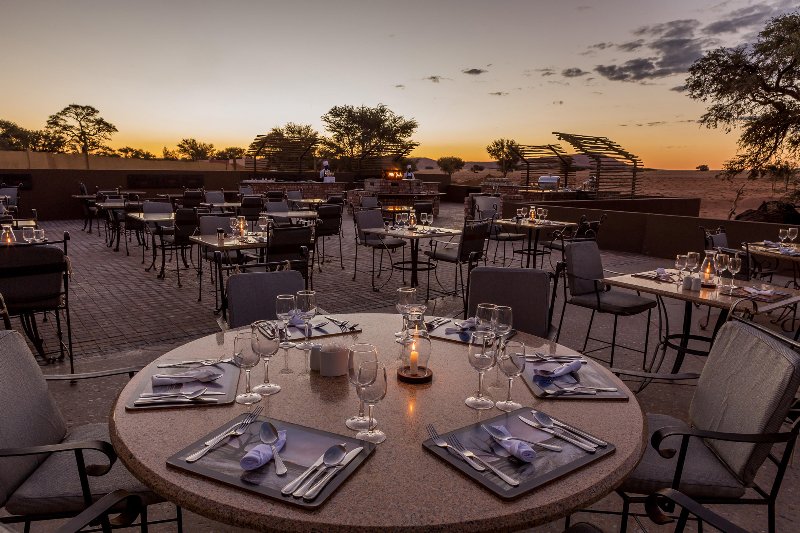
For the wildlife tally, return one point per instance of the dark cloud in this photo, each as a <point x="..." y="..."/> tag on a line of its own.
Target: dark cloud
<point x="399" y="86"/>
<point x="601" y="46"/>
<point x="632" y="70"/>
<point x="435" y="79"/>
<point x="558" y="102"/>
<point x="499" y="93"/>
<point x="745" y="18"/>
<point x="583" y="8"/>
<point x="544" y="72"/>
<point x="678" y="88"/>
<point x="474" y="71"/>
<point x="573" y="72"/>
<point x="631" y="46"/>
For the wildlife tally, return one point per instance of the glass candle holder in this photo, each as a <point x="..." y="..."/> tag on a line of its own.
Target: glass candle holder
<point x="416" y="352"/>
<point x="708" y="271"/>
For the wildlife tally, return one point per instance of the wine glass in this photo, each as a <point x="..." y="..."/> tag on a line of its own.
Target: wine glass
<point x="511" y="362"/>
<point x="398" y="220"/>
<point x="691" y="262"/>
<point x="27" y="234"/>
<point x="430" y="219"/>
<point x="38" y="235"/>
<point x="266" y="343"/>
<point x="721" y="264"/>
<point x="284" y="309"/>
<point x="501" y="320"/>
<point x="358" y="354"/>
<point x="792" y="235"/>
<point x="306" y="308"/>
<point x="371" y="389"/>
<point x="423" y="219"/>
<point x="482" y="358"/>
<point x="680" y="265"/>
<point x="483" y="317"/>
<point x="245" y="357"/>
<point x="263" y="222"/>
<point x="233" y="223"/>
<point x="405" y="219"/>
<point x="544" y="213"/>
<point x="734" y="266"/>
<point x="406" y="296"/>
<point x="783" y="234"/>
<point x="539" y="213"/>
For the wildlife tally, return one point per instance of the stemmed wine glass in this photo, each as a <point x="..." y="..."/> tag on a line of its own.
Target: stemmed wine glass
<point x="539" y="213"/>
<point x="502" y="320"/>
<point x="423" y="219"/>
<point x="792" y="235"/>
<point x="285" y="306"/>
<point x="720" y="264"/>
<point x="406" y="296"/>
<point x="783" y="234"/>
<point x="263" y="222"/>
<point x="483" y="317"/>
<point x="482" y="358"/>
<point x="544" y="213"/>
<point x="430" y="219"/>
<point x="680" y="265"/>
<point x="265" y="344"/>
<point x="307" y="309"/>
<point x="691" y="262"/>
<point x="511" y="362"/>
<point x="734" y="266"/>
<point x="27" y="234"/>
<point x="245" y="357"/>
<point x="371" y="389"/>
<point x="233" y="222"/>
<point x="357" y="355"/>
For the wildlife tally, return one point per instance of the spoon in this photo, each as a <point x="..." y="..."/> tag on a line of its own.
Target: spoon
<point x="333" y="456"/>
<point x="499" y="436"/>
<point x="269" y="435"/>
<point x="545" y="420"/>
<point x="187" y="395"/>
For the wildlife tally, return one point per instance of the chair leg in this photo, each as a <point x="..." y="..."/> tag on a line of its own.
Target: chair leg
<point x="560" y="320"/>
<point x="179" y="518"/>
<point x="355" y="263"/>
<point x="588" y="330"/>
<point x="623" y="526"/>
<point x="373" y="268"/>
<point x="613" y="342"/>
<point x="143" y="519"/>
<point x="646" y="338"/>
<point x="771" y="516"/>
<point x="341" y="256"/>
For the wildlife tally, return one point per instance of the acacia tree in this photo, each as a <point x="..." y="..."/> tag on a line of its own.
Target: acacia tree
<point x="507" y="159"/>
<point x="195" y="150"/>
<point x="82" y="127"/>
<point x="357" y="133"/>
<point x="756" y="88"/>
<point x="128" y="152"/>
<point x="231" y="152"/>
<point x="15" y="137"/>
<point x="450" y="165"/>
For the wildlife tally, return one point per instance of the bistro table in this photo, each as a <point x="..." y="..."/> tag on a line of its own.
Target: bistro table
<point x="534" y="228"/>
<point x="413" y="237"/>
<point x="149" y="220"/>
<point x="712" y="297"/>
<point x="401" y="487"/>
<point x="224" y="206"/>
<point x="760" y="249"/>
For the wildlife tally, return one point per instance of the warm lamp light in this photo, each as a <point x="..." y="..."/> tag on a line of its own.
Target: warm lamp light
<point x="416" y="352"/>
<point x="7" y="236"/>
<point x="708" y="270"/>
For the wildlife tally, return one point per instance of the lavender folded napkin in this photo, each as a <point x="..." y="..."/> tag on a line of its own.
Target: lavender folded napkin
<point x="261" y="454"/>
<point x="199" y="374"/>
<point x="465" y="325"/>
<point x="296" y="320"/>
<point x="559" y="371"/>
<point x="759" y="292"/>
<point x="519" y="449"/>
<point x="771" y="244"/>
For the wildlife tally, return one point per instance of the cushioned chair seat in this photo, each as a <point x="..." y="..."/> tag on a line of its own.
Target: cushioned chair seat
<point x="444" y="253"/>
<point x="507" y="237"/>
<point x="616" y="302"/>
<point x="22" y="305"/>
<point x="55" y="486"/>
<point x="390" y="243"/>
<point x="703" y="475"/>
<point x="584" y="527"/>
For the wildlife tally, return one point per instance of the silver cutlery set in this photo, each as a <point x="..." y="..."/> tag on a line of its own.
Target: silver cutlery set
<point x="343" y="325"/>
<point x="436" y="322"/>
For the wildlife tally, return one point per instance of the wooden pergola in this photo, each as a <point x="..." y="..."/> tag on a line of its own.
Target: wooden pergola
<point x="548" y="158"/>
<point x="379" y="159"/>
<point x="283" y="153"/>
<point x="615" y="169"/>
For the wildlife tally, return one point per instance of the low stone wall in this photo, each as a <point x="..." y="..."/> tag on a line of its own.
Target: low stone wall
<point x="309" y="189"/>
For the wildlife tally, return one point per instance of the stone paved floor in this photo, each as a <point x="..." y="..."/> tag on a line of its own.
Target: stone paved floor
<point x="125" y="316"/>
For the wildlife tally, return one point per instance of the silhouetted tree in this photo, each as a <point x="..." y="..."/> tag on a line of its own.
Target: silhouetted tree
<point x="169" y="155"/>
<point x="757" y="88"/>
<point x="232" y="152"/>
<point x="450" y="164"/>
<point x="82" y="127"/>
<point x="135" y="153"/>
<point x="15" y="137"/>
<point x="702" y="168"/>
<point x="195" y="150"/>
<point x="477" y="168"/>
<point x="507" y="159"/>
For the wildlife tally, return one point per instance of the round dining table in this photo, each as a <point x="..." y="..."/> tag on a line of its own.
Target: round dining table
<point x="401" y="486"/>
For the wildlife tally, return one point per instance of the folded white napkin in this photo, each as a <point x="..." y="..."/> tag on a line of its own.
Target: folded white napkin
<point x="465" y="325"/>
<point x="662" y="274"/>
<point x="261" y="454"/>
<point x="517" y="448"/>
<point x="199" y="374"/>
<point x="771" y="244"/>
<point x="559" y="371"/>
<point x="759" y="292"/>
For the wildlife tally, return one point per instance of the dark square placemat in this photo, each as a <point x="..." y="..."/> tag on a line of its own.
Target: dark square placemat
<point x="227" y="383"/>
<point x="546" y="467"/>
<point x="590" y="374"/>
<point x="304" y="445"/>
<point x="777" y="295"/>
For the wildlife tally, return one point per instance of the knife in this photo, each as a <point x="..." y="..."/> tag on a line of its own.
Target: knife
<point x="177" y="394"/>
<point x="292" y="485"/>
<point x="558" y="434"/>
<point x="313" y="491"/>
<point x="580" y="433"/>
<point x="152" y="401"/>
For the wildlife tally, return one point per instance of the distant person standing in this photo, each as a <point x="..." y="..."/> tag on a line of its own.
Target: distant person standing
<point x="326" y="173"/>
<point x="409" y="175"/>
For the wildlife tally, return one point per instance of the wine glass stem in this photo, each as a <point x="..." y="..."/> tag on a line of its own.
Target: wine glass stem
<point x="369" y="410"/>
<point x="510" y="383"/>
<point x="361" y="409"/>
<point x="305" y="331"/>
<point x="480" y="384"/>
<point x="266" y="370"/>
<point x="247" y="377"/>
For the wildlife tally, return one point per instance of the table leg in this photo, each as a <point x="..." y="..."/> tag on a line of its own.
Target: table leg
<point x="530" y="241"/>
<point x="536" y="245"/>
<point x="153" y="247"/>
<point x="414" y="261"/>
<point x="687" y="330"/>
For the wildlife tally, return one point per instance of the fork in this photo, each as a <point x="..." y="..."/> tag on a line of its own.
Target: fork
<point x="440" y="442"/>
<point x="458" y="446"/>
<point x="203" y="362"/>
<point x="238" y="430"/>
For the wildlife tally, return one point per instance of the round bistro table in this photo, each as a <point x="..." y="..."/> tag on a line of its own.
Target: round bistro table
<point x="401" y="486"/>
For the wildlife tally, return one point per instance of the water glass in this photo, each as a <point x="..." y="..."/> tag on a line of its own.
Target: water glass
<point x="285" y="306"/>
<point x="502" y="320"/>
<point x="692" y="259"/>
<point x="266" y="337"/>
<point x="721" y="265"/>
<point x="680" y="265"/>
<point x="245" y="357"/>
<point x="38" y="235"/>
<point x="357" y="355"/>
<point x="233" y="223"/>
<point x="263" y="222"/>
<point x="783" y="234"/>
<point x="27" y="234"/>
<point x="483" y="317"/>
<point x="307" y="309"/>
<point x="406" y="297"/>
<point x="372" y="385"/>
<point x="511" y="362"/>
<point x="482" y="358"/>
<point x="792" y="234"/>
<point x="734" y="266"/>
<point x="423" y="219"/>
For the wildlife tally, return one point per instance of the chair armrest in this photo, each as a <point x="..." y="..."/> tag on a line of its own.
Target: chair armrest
<point x="97" y="511"/>
<point x="90" y="375"/>
<point x="658" y="500"/>
<point x="662" y="433"/>
<point x="614" y="272"/>
<point x="77" y="447"/>
<point x="654" y="375"/>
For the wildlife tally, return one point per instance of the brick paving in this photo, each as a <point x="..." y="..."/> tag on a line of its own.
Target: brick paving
<point x="123" y="316"/>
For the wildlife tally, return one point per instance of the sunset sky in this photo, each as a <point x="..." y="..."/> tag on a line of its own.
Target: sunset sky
<point x="467" y="71"/>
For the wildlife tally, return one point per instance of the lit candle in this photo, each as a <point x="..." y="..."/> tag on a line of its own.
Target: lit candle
<point x="414" y="358"/>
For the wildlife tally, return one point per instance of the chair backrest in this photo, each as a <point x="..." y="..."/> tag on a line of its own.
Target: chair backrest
<point x="281" y="206"/>
<point x="29" y="416"/>
<point x="215" y="197"/>
<point x="367" y="219"/>
<point x="285" y="243"/>
<point x="584" y="264"/>
<point x="486" y="206"/>
<point x="192" y="198"/>
<point x="329" y="221"/>
<point x="747" y="386"/>
<point x="210" y="223"/>
<point x="185" y="225"/>
<point x="335" y="199"/>
<point x="294" y="195"/>
<point x="714" y="238"/>
<point x="32" y="277"/>
<point x="251" y="296"/>
<point x="422" y="207"/>
<point x="589" y="229"/>
<point x="12" y="193"/>
<point x="525" y="290"/>
<point x="245" y="190"/>
<point x="274" y="195"/>
<point x="370" y="202"/>
<point x="82" y="188"/>
<point x="149" y="206"/>
<point x="473" y="240"/>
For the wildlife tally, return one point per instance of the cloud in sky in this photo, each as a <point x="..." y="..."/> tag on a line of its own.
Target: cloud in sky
<point x="399" y="86"/>
<point x="474" y="71"/>
<point x="435" y="78"/>
<point x="499" y="93"/>
<point x="573" y="72"/>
